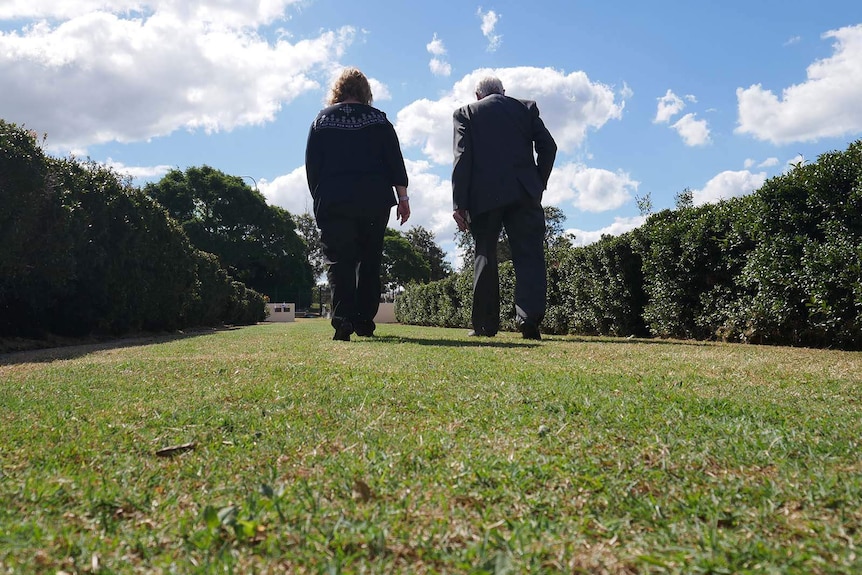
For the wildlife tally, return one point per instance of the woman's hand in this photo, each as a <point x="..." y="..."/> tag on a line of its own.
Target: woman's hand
<point x="403" y="210"/>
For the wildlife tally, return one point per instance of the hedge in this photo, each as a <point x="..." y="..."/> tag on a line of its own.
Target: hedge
<point x="83" y="252"/>
<point x="782" y="265"/>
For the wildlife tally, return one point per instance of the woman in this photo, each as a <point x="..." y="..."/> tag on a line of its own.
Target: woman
<point x="353" y="161"/>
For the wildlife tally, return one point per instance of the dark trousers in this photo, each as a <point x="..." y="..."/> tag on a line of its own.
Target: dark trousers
<point x="353" y="248"/>
<point x="524" y="222"/>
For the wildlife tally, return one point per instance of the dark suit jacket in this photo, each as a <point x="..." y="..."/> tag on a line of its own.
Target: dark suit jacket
<point x="493" y="144"/>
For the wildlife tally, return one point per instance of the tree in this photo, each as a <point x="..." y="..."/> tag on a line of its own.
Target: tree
<point x="555" y="233"/>
<point x="402" y="264"/>
<point x="684" y="199"/>
<point x="306" y="225"/>
<point x="257" y="243"/>
<point x="644" y="204"/>
<point x="423" y="243"/>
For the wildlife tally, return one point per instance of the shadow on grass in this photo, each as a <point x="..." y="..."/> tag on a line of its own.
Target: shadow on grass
<point x="43" y="351"/>
<point x="444" y="342"/>
<point x="493" y="342"/>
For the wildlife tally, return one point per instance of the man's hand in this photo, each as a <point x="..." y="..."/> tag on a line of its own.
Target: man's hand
<point x="462" y="218"/>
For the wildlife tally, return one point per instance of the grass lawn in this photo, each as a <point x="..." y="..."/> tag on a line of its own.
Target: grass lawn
<point x="425" y="451"/>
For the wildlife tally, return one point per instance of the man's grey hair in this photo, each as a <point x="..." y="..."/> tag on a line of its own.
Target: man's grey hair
<point x="489" y="85"/>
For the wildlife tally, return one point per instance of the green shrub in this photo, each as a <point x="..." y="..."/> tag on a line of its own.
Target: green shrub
<point x="780" y="266"/>
<point x="82" y="252"/>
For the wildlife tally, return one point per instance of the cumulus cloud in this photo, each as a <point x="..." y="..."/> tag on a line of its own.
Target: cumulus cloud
<point x="438" y="66"/>
<point x="146" y="69"/>
<point x="669" y="106"/>
<point x="768" y="163"/>
<point x="825" y="105"/>
<point x="618" y="227"/>
<point x="797" y="160"/>
<point x="570" y="105"/>
<point x="430" y="199"/>
<point x="289" y="191"/>
<point x="589" y="189"/>
<point x="237" y="13"/>
<point x="436" y="46"/>
<point x="728" y="185"/>
<point x="626" y="92"/>
<point x="138" y="172"/>
<point x="693" y="132"/>
<point x="489" y="23"/>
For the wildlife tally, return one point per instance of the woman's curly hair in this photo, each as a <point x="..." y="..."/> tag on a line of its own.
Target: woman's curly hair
<point x="350" y="85"/>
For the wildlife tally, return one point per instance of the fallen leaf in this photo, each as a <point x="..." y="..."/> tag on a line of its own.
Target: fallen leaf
<point x="361" y="491"/>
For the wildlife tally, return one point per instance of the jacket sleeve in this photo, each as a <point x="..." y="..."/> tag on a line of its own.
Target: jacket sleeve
<point x="546" y="147"/>
<point x="312" y="162"/>
<point x="394" y="158"/>
<point x="462" y="165"/>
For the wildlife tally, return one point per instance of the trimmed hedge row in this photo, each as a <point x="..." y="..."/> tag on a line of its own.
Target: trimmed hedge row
<point x="82" y="252"/>
<point x="780" y="266"/>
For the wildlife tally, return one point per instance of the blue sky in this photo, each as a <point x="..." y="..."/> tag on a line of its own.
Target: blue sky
<point x="644" y="98"/>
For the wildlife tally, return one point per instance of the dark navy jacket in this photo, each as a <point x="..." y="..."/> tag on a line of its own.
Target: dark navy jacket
<point x="352" y="161"/>
<point x="494" y="140"/>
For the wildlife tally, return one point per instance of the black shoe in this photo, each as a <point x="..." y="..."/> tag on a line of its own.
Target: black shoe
<point x="364" y="330"/>
<point x="342" y="332"/>
<point x="530" y="330"/>
<point x="480" y="333"/>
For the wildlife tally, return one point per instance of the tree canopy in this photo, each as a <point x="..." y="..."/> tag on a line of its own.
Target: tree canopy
<point x="256" y="242"/>
<point x="423" y="243"/>
<point x="402" y="264"/>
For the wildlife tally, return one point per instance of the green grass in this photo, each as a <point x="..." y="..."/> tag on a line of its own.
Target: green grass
<point x="424" y="451"/>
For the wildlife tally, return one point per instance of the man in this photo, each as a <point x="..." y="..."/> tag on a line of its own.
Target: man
<point x="497" y="182"/>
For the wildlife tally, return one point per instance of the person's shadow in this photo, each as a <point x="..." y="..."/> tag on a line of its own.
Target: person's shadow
<point x="442" y="342"/>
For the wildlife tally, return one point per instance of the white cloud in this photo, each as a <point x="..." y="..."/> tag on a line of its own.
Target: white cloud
<point x="379" y="90"/>
<point x="825" y="105"/>
<point x="79" y="78"/>
<point x="289" y="191"/>
<point x="693" y="132"/>
<point x="236" y="13"/>
<point x="626" y="92"/>
<point x="767" y="163"/>
<point x="793" y="40"/>
<point x="669" y="106"/>
<point x="435" y="46"/>
<point x="430" y="200"/>
<point x="618" y="227"/>
<point x="569" y="104"/>
<point x="589" y="189"/>
<point x="728" y="185"/>
<point x="489" y="23"/>
<point x="797" y="160"/>
<point x="440" y="67"/>
<point x="138" y="172"/>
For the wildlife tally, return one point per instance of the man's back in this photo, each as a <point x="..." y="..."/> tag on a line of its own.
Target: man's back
<point x="494" y="161"/>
